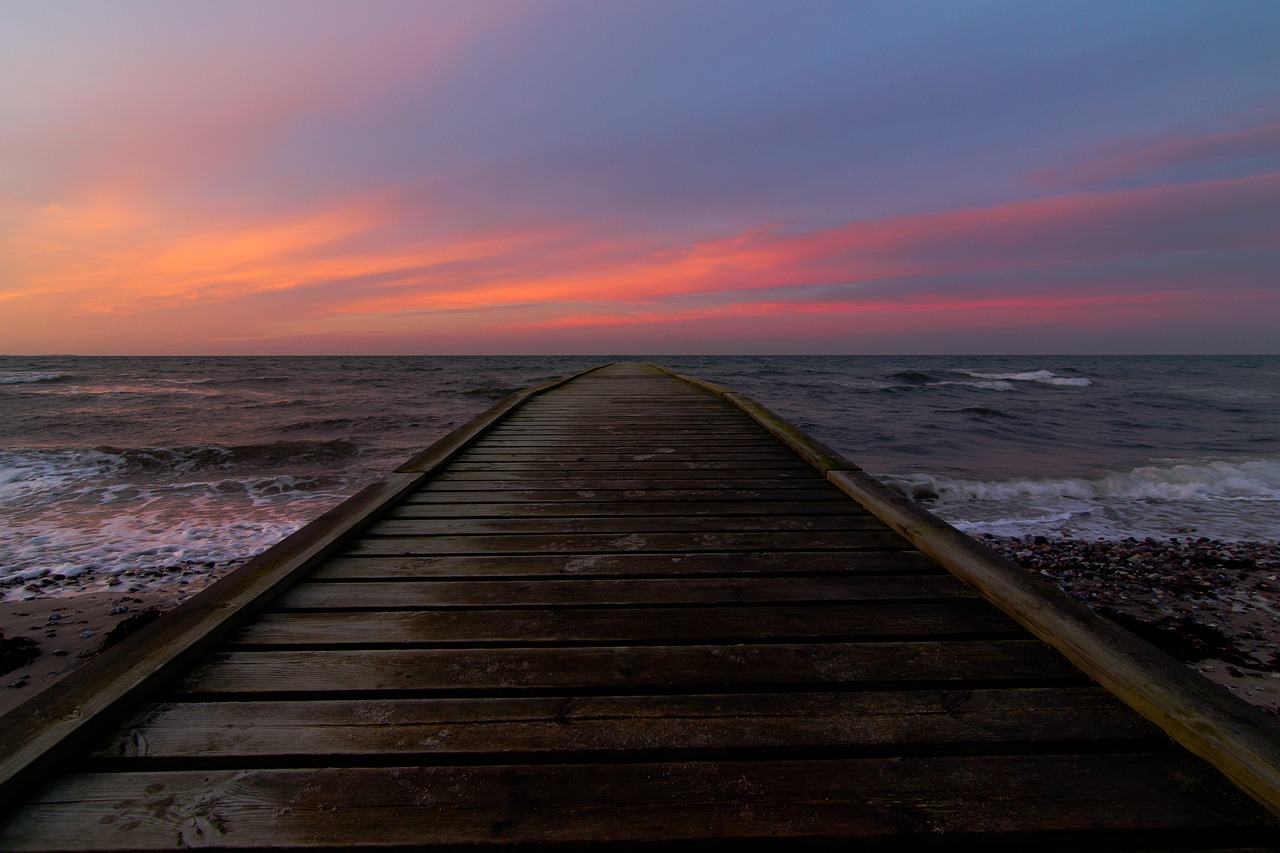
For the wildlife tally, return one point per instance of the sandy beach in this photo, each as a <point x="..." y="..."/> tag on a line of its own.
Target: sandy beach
<point x="1212" y="605"/>
<point x="50" y="627"/>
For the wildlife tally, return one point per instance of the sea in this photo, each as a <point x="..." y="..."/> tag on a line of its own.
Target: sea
<point x="113" y="465"/>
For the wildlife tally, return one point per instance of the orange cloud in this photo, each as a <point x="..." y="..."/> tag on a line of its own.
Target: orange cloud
<point x="1024" y="236"/>
<point x="378" y="263"/>
<point x="1064" y="308"/>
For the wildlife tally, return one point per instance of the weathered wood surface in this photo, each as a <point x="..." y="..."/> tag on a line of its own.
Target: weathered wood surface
<point x="400" y="525"/>
<point x="1233" y="736"/>
<point x="439" y="730"/>
<point x="46" y="729"/>
<point x="342" y="626"/>
<point x="630" y="564"/>
<point x="608" y="543"/>
<point x="576" y="512"/>
<point x="626" y="668"/>
<point x="1128" y="801"/>
<point x="622" y="613"/>
<point x="581" y="592"/>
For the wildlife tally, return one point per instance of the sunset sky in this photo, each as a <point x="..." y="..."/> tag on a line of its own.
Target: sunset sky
<point x="639" y="176"/>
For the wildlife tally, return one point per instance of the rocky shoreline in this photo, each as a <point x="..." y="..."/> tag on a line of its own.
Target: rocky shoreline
<point x="1212" y="604"/>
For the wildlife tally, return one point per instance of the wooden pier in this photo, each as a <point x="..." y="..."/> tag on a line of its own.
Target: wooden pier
<point x="634" y="610"/>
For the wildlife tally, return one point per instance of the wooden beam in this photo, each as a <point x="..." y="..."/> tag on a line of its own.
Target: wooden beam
<point x="1238" y="739"/>
<point x="52" y="724"/>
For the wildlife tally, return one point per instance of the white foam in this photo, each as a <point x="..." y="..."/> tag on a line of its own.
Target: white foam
<point x="986" y="385"/>
<point x="160" y="529"/>
<point x="1042" y="377"/>
<point x="23" y="377"/>
<point x="130" y="390"/>
<point x="66" y="510"/>
<point x="1225" y="499"/>
<point x="1205" y="480"/>
<point x="27" y="477"/>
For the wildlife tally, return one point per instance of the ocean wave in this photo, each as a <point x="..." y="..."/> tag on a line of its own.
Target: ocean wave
<point x="137" y="543"/>
<point x="1257" y="479"/>
<point x="25" y="476"/>
<point x="913" y="377"/>
<point x="987" y="385"/>
<point x="256" y="490"/>
<point x="132" y="390"/>
<point x="29" y="474"/>
<point x="1042" y="377"/>
<point x="160" y="527"/>
<point x="326" y="424"/>
<point x="496" y="392"/>
<point x="1234" y="498"/>
<point x="22" y="377"/>
<point x="983" y="412"/>
<point x="212" y="457"/>
<point x="250" y="379"/>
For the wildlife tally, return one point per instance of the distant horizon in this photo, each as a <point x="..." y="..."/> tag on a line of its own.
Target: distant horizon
<point x="464" y="176"/>
<point x="618" y="356"/>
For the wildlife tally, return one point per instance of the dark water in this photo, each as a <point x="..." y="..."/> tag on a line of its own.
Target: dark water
<point x="159" y="462"/>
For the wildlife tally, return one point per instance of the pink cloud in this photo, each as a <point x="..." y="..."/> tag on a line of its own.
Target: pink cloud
<point x="1034" y="236"/>
<point x="1066" y="308"/>
<point x="377" y="264"/>
<point x="1135" y="157"/>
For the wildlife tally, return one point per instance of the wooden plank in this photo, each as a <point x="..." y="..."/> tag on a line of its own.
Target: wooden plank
<point x="629" y="624"/>
<point x="401" y="526"/>
<point x="817" y="454"/>
<point x="41" y="732"/>
<point x="523" y="478"/>
<point x="1235" y="737"/>
<point x="607" y="565"/>
<point x="436" y="730"/>
<point x="625" y="668"/>
<point x="615" y="424"/>
<point x="603" y="543"/>
<point x="457" y="440"/>
<point x="669" y="405"/>
<point x="1087" y="802"/>
<point x="418" y="507"/>
<point x="658" y="418"/>
<point x="737" y="466"/>
<point x="622" y="459"/>
<point x="494" y="445"/>
<point x="623" y="604"/>
<point x="56" y="721"/>
<point x="394" y="595"/>
<point x="450" y="493"/>
<point x="654" y="483"/>
<point x="491" y="451"/>
<point x="621" y="433"/>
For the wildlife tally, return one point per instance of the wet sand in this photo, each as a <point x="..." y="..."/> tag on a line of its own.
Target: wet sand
<point x="64" y="622"/>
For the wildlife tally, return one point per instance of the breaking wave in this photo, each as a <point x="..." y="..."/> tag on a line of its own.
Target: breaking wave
<point x="1241" y="499"/>
<point x="1042" y="377"/>
<point x="27" y="377"/>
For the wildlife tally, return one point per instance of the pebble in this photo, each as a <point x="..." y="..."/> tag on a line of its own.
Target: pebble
<point x="43" y="582"/>
<point x="1227" y="587"/>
